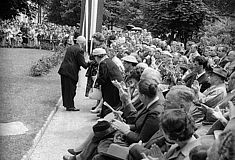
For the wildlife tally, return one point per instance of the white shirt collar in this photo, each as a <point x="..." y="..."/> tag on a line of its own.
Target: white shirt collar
<point x="153" y="101"/>
<point x="199" y="75"/>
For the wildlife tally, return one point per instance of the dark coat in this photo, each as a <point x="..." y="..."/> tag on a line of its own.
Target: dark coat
<point x="146" y="122"/>
<point x="109" y="71"/>
<point x="73" y="59"/>
<point x="203" y="81"/>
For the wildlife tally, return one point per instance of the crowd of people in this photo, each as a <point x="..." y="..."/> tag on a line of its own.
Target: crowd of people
<point x="159" y="100"/>
<point x="20" y="34"/>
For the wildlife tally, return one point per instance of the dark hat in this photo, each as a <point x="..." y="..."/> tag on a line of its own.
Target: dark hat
<point x="220" y="71"/>
<point x="101" y="130"/>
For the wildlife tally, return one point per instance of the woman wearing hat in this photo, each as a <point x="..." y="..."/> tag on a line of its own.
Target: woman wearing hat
<point x="98" y="41"/>
<point x="107" y="72"/>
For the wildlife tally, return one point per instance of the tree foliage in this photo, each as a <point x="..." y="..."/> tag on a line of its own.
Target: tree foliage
<point x="180" y="18"/>
<point x="121" y="13"/>
<point x="222" y="7"/>
<point x="64" y="12"/>
<point x="11" y="8"/>
<point x="219" y="32"/>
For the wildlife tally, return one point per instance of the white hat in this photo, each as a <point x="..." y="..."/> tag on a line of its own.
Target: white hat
<point x="142" y="65"/>
<point x="130" y="59"/>
<point x="81" y="39"/>
<point x="98" y="51"/>
<point x="167" y="53"/>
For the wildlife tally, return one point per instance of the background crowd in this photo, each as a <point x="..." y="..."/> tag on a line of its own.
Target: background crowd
<point x="34" y="35"/>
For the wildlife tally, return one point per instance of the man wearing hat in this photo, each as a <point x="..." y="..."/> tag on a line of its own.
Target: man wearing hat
<point x="73" y="60"/>
<point x="129" y="63"/>
<point x="213" y="95"/>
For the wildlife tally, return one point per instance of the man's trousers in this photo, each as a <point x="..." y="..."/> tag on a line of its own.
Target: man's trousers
<point x="68" y="87"/>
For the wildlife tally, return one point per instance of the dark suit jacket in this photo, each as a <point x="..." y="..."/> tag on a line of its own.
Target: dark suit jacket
<point x="73" y="59"/>
<point x="109" y="71"/>
<point x="203" y="80"/>
<point x="146" y="122"/>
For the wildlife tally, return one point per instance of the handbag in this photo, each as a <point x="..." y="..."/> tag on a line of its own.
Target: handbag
<point x="95" y="93"/>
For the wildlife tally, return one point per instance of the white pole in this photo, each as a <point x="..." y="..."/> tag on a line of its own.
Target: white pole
<point x="87" y="19"/>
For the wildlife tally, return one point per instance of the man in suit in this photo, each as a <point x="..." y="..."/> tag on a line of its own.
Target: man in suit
<point x="73" y="60"/>
<point x="198" y="74"/>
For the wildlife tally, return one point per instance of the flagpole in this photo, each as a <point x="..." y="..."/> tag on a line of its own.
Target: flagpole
<point x="87" y="21"/>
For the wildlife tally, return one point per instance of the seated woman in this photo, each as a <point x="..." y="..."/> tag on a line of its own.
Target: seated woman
<point x="178" y="128"/>
<point x="146" y="120"/>
<point x="132" y="82"/>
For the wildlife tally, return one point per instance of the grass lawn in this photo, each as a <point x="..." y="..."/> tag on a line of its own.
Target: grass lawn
<point x="24" y="98"/>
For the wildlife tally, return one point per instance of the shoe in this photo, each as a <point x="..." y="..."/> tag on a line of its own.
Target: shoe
<point x="71" y="151"/>
<point x="67" y="157"/>
<point x="93" y="107"/>
<point x="95" y="110"/>
<point x="72" y="109"/>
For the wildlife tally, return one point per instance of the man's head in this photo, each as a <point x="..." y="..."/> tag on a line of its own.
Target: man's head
<point x="217" y="76"/>
<point x="81" y="41"/>
<point x="129" y="62"/>
<point x="231" y="82"/>
<point x="231" y="56"/>
<point x="199" y="63"/>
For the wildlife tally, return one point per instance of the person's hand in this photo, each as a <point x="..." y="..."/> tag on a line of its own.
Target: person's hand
<point x="117" y="84"/>
<point x="118" y="115"/>
<point x="121" y="126"/>
<point x="124" y="93"/>
<point x="216" y="112"/>
<point x="195" y="86"/>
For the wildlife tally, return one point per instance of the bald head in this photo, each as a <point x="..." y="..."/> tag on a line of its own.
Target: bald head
<point x="81" y="39"/>
<point x="231" y="56"/>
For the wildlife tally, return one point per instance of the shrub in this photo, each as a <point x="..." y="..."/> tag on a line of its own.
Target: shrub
<point x="44" y="64"/>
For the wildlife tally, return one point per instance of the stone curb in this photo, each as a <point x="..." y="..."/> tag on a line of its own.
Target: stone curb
<point x="42" y="131"/>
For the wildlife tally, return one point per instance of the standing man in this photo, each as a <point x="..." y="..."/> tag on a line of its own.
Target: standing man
<point x="73" y="60"/>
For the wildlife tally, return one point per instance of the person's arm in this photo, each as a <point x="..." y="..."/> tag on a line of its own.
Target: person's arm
<point x="81" y="60"/>
<point x="150" y="126"/>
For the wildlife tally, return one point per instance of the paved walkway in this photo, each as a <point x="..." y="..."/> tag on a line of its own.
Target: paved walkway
<point x="66" y="129"/>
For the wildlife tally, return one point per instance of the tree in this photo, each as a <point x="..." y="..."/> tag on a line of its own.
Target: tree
<point x="72" y="12"/>
<point x="222" y="7"/>
<point x="54" y="12"/>
<point x="11" y="8"/>
<point x="64" y="12"/>
<point x="121" y="13"/>
<point x="181" y="19"/>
